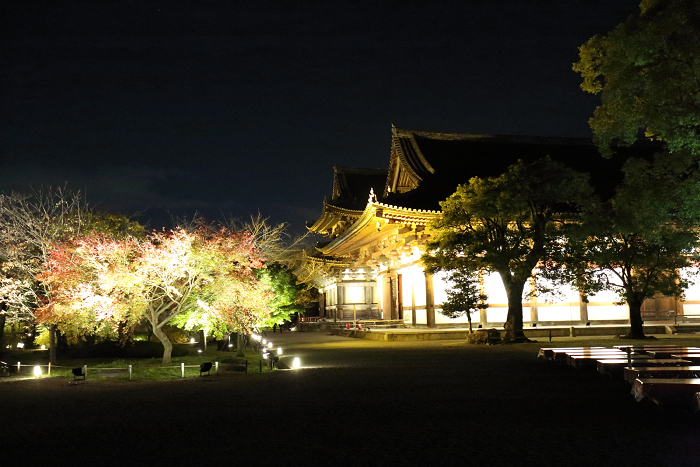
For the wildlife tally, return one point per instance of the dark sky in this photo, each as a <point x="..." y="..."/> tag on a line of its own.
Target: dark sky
<point x="235" y="107"/>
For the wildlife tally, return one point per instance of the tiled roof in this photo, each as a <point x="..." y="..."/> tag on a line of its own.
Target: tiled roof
<point x="444" y="160"/>
<point x="351" y="186"/>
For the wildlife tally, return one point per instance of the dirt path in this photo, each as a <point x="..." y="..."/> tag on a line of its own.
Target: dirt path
<point x="356" y="403"/>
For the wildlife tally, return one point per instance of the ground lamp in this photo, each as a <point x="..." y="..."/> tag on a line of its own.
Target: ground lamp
<point x="296" y="363"/>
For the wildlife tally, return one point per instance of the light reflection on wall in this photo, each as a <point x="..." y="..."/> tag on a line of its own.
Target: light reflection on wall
<point x="354" y="294"/>
<point x="412" y="277"/>
<point x="564" y="306"/>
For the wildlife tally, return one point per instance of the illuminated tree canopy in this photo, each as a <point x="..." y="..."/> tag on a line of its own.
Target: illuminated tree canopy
<point x="507" y="224"/>
<point x="647" y="72"/>
<point x="29" y="224"/>
<point x="637" y="243"/>
<point x="199" y="279"/>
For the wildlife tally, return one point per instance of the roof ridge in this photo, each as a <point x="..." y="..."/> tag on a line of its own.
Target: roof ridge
<point x="406" y="133"/>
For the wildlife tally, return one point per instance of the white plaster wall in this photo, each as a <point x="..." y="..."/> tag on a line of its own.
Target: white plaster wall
<point x="421" y="317"/>
<point x="693" y="292"/>
<point x="440" y="284"/>
<point x="604" y="312"/>
<point x="497" y="315"/>
<point x="691" y="309"/>
<point x="493" y="286"/>
<point x="570" y="312"/>
<point x="441" y="319"/>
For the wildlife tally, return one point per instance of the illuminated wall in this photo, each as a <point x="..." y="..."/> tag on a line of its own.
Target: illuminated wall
<point x="601" y="307"/>
<point x="564" y="306"/>
<point x="691" y="303"/>
<point x="354" y="294"/>
<point x="413" y="282"/>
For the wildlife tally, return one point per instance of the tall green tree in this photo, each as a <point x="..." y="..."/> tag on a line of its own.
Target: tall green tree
<point x="284" y="297"/>
<point x="464" y="296"/>
<point x="507" y="224"/>
<point x="647" y="72"/>
<point x="639" y="243"/>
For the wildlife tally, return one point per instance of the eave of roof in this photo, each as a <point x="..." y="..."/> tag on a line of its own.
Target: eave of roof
<point x="364" y="231"/>
<point x="330" y="216"/>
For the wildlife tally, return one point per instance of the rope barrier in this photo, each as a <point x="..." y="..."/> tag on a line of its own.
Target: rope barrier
<point x="128" y="368"/>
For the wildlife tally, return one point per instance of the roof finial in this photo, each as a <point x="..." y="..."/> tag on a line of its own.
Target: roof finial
<point x="372" y="196"/>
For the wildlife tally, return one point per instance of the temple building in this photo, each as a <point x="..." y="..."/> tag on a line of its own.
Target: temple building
<point x="377" y="223"/>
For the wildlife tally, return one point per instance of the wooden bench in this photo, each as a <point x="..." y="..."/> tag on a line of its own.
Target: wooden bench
<point x="664" y="353"/>
<point x="644" y="372"/>
<point x="77" y="373"/>
<point x="205" y="368"/>
<point x="692" y="356"/>
<point x="615" y="367"/>
<point x="666" y="391"/>
<point x="563" y="354"/>
<point x="581" y="361"/>
<point x="548" y="353"/>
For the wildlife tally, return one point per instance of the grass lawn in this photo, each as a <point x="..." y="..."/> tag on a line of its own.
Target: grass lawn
<point x="143" y="369"/>
<point x="356" y="402"/>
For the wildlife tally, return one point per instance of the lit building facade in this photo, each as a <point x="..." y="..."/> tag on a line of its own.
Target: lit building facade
<point x="377" y="223"/>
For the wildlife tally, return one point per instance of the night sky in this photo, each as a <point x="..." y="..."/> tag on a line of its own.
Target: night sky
<point x="228" y="108"/>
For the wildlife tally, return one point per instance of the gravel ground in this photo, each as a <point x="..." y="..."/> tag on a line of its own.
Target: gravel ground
<point x="356" y="402"/>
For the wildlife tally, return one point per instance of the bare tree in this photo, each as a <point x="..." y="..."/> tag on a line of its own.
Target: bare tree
<point x="29" y="224"/>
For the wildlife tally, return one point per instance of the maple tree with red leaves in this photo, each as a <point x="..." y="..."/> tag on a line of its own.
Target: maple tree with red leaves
<point x="194" y="279"/>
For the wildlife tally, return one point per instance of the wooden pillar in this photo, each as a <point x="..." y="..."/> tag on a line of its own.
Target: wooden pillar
<point x="387" y="297"/>
<point x="399" y="296"/>
<point x="413" y="304"/>
<point x="429" y="301"/>
<point x="678" y="309"/>
<point x="322" y="305"/>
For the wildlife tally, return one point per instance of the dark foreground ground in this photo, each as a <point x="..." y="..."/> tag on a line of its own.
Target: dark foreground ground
<point x="361" y="403"/>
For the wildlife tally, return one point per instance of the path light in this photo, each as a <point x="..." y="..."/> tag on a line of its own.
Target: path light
<point x="37" y="370"/>
<point x="296" y="363"/>
<point x="43" y="347"/>
<point x="20" y="345"/>
<point x="191" y="340"/>
<point x="279" y="350"/>
<point x="199" y="351"/>
<point x="269" y="345"/>
<point x="264" y="341"/>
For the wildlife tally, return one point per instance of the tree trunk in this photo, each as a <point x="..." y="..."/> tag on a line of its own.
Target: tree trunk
<point x="636" y="323"/>
<point x="3" y="317"/>
<point x="240" y="339"/>
<point x="514" y="321"/>
<point x="167" y="346"/>
<point x="52" y="344"/>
